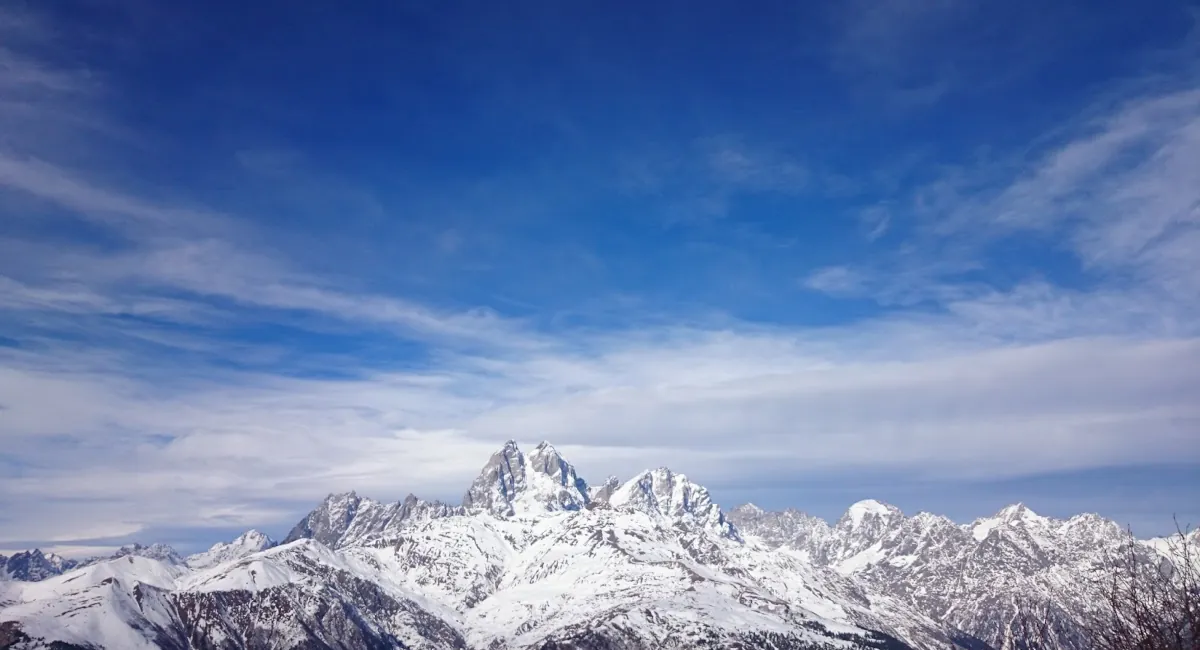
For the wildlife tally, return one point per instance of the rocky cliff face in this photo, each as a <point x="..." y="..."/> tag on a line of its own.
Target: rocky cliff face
<point x="347" y="518"/>
<point x="603" y="492"/>
<point x="511" y="484"/>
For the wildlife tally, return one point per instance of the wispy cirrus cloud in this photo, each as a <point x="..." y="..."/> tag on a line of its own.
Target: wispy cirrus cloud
<point x="1113" y="193"/>
<point x="190" y="250"/>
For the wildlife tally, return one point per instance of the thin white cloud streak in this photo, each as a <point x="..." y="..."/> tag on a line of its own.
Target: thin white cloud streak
<point x="208" y="264"/>
<point x="1123" y="190"/>
<point x="220" y="269"/>
<point x="19" y="74"/>
<point x="51" y="183"/>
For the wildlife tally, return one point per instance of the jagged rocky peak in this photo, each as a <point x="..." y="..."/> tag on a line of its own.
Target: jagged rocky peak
<point x="417" y="510"/>
<point x="34" y="565"/>
<point x="513" y="484"/>
<point x="1020" y="514"/>
<point x="496" y="487"/>
<point x="329" y="521"/>
<point x="1013" y="517"/>
<point x="661" y="492"/>
<point x="924" y="522"/>
<point x="1092" y="531"/>
<point x="751" y="511"/>
<point x="546" y="459"/>
<point x="601" y="493"/>
<point x="347" y="519"/>
<point x="788" y="527"/>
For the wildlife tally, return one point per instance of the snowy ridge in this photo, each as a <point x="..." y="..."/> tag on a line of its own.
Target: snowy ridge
<point x="160" y="552"/>
<point x="537" y="559"/>
<point x="663" y="493"/>
<point x="248" y="543"/>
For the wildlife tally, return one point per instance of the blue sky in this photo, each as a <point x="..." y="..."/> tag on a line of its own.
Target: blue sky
<point x="936" y="253"/>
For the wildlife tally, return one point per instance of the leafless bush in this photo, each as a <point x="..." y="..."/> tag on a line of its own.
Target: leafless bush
<point x="1150" y="602"/>
<point x="1146" y="599"/>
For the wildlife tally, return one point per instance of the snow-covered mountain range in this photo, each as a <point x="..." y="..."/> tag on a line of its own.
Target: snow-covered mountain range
<point x="536" y="558"/>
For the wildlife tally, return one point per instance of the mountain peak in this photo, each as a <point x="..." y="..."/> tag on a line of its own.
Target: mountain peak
<point x="1012" y="509"/>
<point x="248" y="543"/>
<point x="498" y="483"/>
<point x="869" y="508"/>
<point x="661" y="492"/>
<point x="546" y="459"/>
<point x="1019" y="512"/>
<point x="254" y="538"/>
<point x="158" y="551"/>
<point x="928" y="519"/>
<point x="749" y="509"/>
<point x="512" y="483"/>
<point x="328" y="521"/>
<point x="603" y="492"/>
<point x="33" y="565"/>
